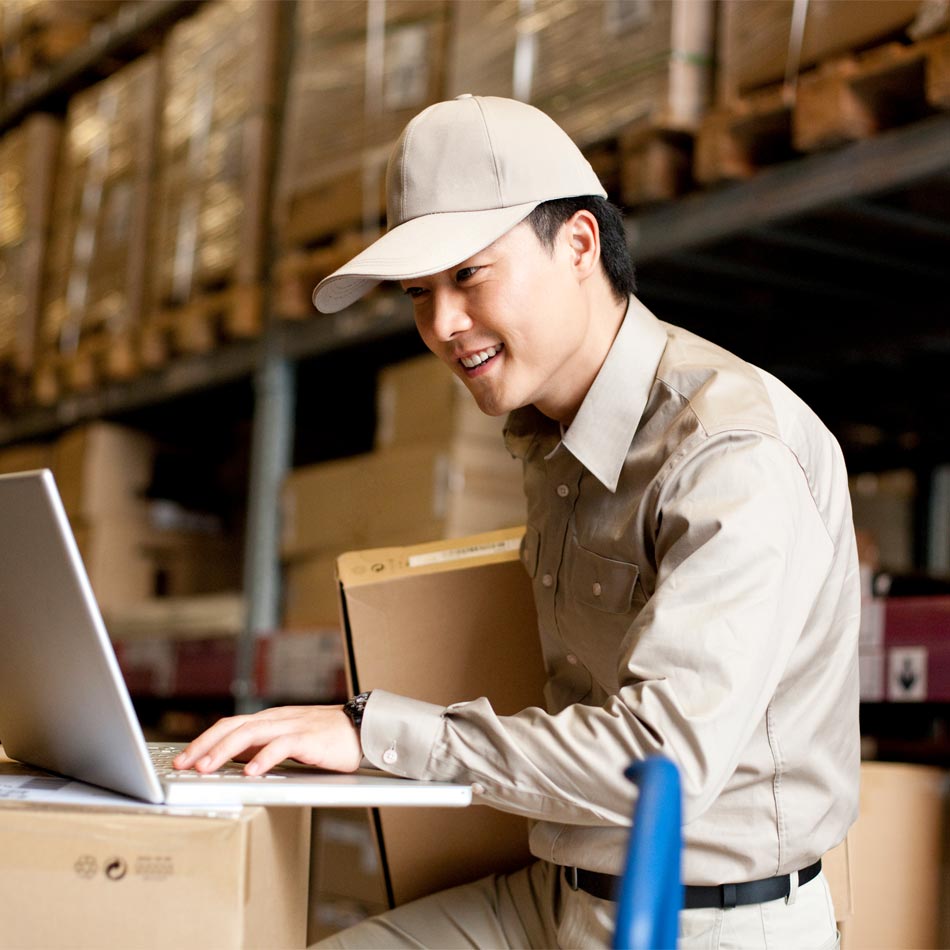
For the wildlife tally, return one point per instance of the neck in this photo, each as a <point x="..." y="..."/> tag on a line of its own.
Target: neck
<point x="604" y="316"/>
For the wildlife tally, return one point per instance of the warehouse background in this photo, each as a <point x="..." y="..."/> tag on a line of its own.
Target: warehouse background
<point x="175" y="176"/>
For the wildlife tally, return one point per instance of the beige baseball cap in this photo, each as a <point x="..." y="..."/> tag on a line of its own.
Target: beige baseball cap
<point x="463" y="173"/>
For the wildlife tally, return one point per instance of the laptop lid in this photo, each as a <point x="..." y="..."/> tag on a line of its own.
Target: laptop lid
<point x="63" y="703"/>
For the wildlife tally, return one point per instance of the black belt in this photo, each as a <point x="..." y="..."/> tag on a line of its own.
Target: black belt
<point x="607" y="887"/>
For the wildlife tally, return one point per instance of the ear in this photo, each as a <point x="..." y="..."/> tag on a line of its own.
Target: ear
<point x="581" y="234"/>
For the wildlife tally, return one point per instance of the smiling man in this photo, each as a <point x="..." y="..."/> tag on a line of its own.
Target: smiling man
<point x="693" y="560"/>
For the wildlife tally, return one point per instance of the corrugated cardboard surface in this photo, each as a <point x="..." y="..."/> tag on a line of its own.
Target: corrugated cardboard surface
<point x="92" y="879"/>
<point x="27" y="162"/>
<point x="422" y="400"/>
<point x="896" y="850"/>
<point x="594" y="66"/>
<point x="754" y="36"/>
<point x="445" y="632"/>
<point x="403" y="494"/>
<point x="102" y="469"/>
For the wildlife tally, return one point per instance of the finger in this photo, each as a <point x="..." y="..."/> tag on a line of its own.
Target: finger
<point x="254" y="733"/>
<point x="200" y="746"/>
<point x="283" y="747"/>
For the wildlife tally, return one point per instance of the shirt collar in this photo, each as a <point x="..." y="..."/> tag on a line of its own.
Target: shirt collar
<point x="601" y="433"/>
<point x="604" y="426"/>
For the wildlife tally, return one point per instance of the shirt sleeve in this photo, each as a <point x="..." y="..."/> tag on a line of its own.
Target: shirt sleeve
<point x="741" y="554"/>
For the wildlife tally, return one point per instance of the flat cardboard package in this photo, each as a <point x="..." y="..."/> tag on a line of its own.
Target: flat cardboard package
<point x="91" y="878"/>
<point x="445" y="622"/>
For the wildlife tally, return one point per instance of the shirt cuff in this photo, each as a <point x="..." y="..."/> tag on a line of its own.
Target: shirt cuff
<point x="398" y="733"/>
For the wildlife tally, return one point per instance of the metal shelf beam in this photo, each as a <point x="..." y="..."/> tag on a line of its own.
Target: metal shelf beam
<point x="891" y="160"/>
<point x="235" y="361"/>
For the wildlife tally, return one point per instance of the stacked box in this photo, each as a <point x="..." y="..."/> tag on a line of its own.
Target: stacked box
<point x="131" y="553"/>
<point x="440" y="470"/>
<point x="27" y="161"/>
<point x="97" y="266"/>
<point x="755" y="37"/>
<point x="214" y="149"/>
<point x="361" y="70"/>
<point x="236" y="878"/>
<point x="596" y="66"/>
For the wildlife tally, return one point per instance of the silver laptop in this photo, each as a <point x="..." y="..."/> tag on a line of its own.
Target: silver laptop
<point x="64" y="706"/>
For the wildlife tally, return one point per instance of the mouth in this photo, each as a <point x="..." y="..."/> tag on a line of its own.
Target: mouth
<point x="478" y="361"/>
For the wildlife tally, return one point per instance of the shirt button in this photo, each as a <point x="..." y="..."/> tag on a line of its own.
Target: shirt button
<point x="390" y="756"/>
<point x="547" y="580"/>
<point x="597" y="589"/>
<point x="563" y="491"/>
<point x="571" y="659"/>
<point x="478" y="789"/>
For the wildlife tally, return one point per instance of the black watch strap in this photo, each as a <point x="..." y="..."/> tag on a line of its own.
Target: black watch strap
<point x="354" y="708"/>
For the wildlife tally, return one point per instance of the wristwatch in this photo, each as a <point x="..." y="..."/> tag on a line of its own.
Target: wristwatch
<point x="354" y="708"/>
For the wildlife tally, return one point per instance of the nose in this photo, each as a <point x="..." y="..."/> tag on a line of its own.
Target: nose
<point x="449" y="315"/>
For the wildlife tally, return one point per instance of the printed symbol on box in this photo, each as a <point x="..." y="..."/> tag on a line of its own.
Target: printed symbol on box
<point x="86" y="866"/>
<point x="154" y="867"/>
<point x="907" y="674"/>
<point x="116" y="869"/>
<point x="377" y="567"/>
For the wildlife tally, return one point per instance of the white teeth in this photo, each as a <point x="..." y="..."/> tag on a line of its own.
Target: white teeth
<point x="470" y="362"/>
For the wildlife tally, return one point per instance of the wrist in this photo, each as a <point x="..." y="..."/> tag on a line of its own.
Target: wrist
<point x="354" y="707"/>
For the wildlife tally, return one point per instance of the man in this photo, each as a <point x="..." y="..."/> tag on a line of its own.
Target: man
<point x="690" y="542"/>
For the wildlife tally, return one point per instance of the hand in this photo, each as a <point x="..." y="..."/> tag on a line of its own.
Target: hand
<point x="322" y="736"/>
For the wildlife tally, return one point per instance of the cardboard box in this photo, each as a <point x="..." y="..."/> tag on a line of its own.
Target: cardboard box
<point x="25" y="458"/>
<point x="443" y="623"/>
<point x="359" y="73"/>
<point x="311" y="593"/>
<point x="422" y="400"/>
<point x="595" y="67"/>
<point x="102" y="469"/>
<point x="755" y="35"/>
<point x="129" y="560"/>
<point x="896" y="849"/>
<point x="27" y="164"/>
<point x="404" y="494"/>
<point x="84" y="878"/>
<point x="346" y="880"/>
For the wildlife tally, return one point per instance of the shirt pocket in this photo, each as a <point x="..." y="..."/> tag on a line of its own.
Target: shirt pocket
<point x="530" y="550"/>
<point x="604" y="583"/>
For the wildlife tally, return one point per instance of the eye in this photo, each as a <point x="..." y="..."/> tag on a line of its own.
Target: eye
<point x="465" y="273"/>
<point x="414" y="292"/>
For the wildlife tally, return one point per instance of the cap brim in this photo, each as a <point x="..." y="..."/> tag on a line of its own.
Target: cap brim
<point x="417" y="248"/>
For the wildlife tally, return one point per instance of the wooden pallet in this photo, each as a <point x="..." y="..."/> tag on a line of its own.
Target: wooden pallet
<point x="234" y="313"/>
<point x="655" y="165"/>
<point x="843" y="100"/>
<point x="735" y="141"/>
<point x="100" y="358"/>
<point x="855" y="97"/>
<point x="298" y="272"/>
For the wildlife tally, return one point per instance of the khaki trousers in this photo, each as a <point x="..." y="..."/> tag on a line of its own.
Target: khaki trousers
<point x="534" y="908"/>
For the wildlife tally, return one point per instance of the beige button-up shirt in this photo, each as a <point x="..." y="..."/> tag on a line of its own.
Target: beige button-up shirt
<point x="696" y="579"/>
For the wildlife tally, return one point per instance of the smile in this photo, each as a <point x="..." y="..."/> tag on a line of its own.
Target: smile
<point x="482" y="356"/>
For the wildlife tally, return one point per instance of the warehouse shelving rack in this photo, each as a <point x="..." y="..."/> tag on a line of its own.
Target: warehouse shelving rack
<point x="845" y="250"/>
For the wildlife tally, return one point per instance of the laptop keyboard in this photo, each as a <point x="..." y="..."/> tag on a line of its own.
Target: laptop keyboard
<point x="163" y="755"/>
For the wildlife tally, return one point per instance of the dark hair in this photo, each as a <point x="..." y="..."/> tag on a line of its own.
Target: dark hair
<point x="548" y="217"/>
